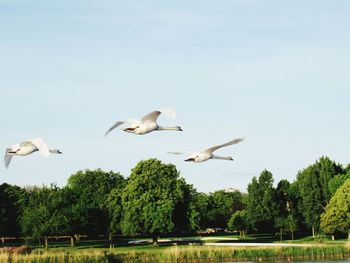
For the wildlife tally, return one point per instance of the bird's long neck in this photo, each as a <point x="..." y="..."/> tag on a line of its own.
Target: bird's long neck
<point x="222" y="158"/>
<point x="162" y="128"/>
<point x="55" y="151"/>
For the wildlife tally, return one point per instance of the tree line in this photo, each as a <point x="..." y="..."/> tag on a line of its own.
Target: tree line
<point x="155" y="200"/>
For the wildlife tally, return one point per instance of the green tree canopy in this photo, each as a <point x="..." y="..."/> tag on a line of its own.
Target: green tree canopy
<point x="239" y="221"/>
<point x="214" y="209"/>
<point x="295" y="203"/>
<point x="337" y="181"/>
<point x="10" y="209"/>
<point x="336" y="218"/>
<point x="42" y="214"/>
<point x="115" y="208"/>
<point x="287" y="202"/>
<point x="261" y="202"/>
<point x="91" y="188"/>
<point x="313" y="184"/>
<point x="221" y="205"/>
<point x="155" y="200"/>
<point x="283" y="198"/>
<point x="199" y="207"/>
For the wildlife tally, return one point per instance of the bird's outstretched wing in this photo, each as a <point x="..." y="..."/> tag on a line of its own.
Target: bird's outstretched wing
<point x="115" y="125"/>
<point x="40" y="144"/>
<point x="212" y="149"/>
<point x="177" y="153"/>
<point x="153" y="116"/>
<point x="188" y="153"/>
<point x="7" y="157"/>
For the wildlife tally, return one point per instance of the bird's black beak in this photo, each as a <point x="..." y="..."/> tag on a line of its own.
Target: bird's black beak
<point x="231" y="159"/>
<point x="189" y="160"/>
<point x="59" y="152"/>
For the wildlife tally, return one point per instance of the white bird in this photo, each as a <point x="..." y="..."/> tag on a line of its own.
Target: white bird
<point x="208" y="153"/>
<point x="147" y="124"/>
<point x="26" y="148"/>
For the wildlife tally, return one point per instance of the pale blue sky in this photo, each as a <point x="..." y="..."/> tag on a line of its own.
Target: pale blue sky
<point x="276" y="72"/>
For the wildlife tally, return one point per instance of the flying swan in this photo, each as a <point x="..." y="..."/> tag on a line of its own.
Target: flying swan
<point x="26" y="148"/>
<point x="147" y="124"/>
<point x="208" y="154"/>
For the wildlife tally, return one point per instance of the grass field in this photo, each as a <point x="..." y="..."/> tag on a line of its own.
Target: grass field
<point x="187" y="249"/>
<point x="179" y="254"/>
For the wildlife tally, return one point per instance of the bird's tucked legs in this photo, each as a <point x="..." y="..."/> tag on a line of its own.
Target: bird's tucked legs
<point x="130" y="129"/>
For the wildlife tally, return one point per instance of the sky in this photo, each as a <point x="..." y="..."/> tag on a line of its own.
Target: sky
<point x="274" y="72"/>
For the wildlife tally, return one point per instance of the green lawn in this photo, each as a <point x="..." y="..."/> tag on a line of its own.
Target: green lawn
<point x="97" y="251"/>
<point x="122" y="244"/>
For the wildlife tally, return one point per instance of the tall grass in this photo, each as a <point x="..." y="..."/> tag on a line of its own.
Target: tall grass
<point x="49" y="256"/>
<point x="182" y="254"/>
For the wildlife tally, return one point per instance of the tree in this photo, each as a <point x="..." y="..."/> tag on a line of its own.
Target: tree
<point x="281" y="224"/>
<point x="287" y="223"/>
<point x="72" y="211"/>
<point x="286" y="200"/>
<point x="313" y="184"/>
<point x="10" y="209"/>
<point x="336" y="218"/>
<point x="282" y="198"/>
<point x="115" y="209"/>
<point x="199" y="207"/>
<point x="221" y="206"/>
<point x="261" y="203"/>
<point x="291" y="224"/>
<point x="91" y="189"/>
<point x="195" y="210"/>
<point x="337" y="181"/>
<point x="155" y="200"/>
<point x="42" y="214"/>
<point x="239" y="221"/>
